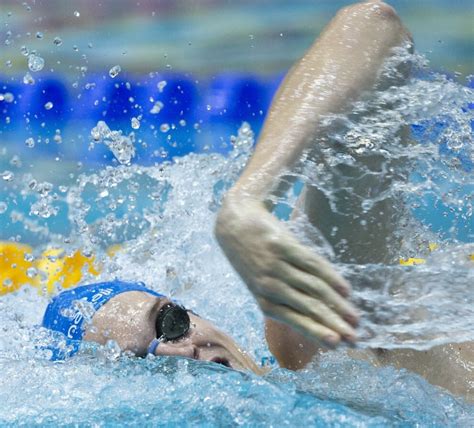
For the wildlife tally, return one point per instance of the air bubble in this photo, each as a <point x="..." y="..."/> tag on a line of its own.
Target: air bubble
<point x="48" y="105"/>
<point x="57" y="41"/>
<point x="3" y="207"/>
<point x="164" y="127"/>
<point x="77" y="14"/>
<point x="30" y="142"/>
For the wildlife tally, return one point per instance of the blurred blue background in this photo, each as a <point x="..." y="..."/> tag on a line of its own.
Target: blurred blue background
<point x="222" y="61"/>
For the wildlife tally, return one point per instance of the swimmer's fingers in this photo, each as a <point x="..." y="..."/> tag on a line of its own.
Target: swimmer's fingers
<point x="300" y="323"/>
<point x="313" y="308"/>
<point x="305" y="259"/>
<point x="315" y="289"/>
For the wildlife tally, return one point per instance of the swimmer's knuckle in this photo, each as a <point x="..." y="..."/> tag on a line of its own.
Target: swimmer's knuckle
<point x="268" y="270"/>
<point x="275" y="246"/>
<point x="264" y="285"/>
<point x="266" y="307"/>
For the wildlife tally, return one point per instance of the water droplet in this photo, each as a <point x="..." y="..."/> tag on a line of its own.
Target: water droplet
<point x="35" y="62"/>
<point x="161" y="85"/>
<point x="8" y="97"/>
<point x="57" y="41"/>
<point x="58" y="139"/>
<point x="48" y="105"/>
<point x="77" y="14"/>
<point x="8" y="175"/>
<point x="114" y="71"/>
<point x="164" y="127"/>
<point x="15" y="161"/>
<point x="30" y="142"/>
<point x="111" y="350"/>
<point x="135" y="123"/>
<point x="157" y="107"/>
<point x="3" y="207"/>
<point x="367" y="205"/>
<point x="182" y="122"/>
<point x="31" y="272"/>
<point x="120" y="145"/>
<point x="28" y="79"/>
<point x="39" y="35"/>
<point x="24" y="51"/>
<point x="28" y="257"/>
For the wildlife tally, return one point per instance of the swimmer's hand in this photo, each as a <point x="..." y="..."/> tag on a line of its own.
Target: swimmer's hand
<point x="291" y="283"/>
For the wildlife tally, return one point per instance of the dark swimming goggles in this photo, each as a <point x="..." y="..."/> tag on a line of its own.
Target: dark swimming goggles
<point x="172" y="323"/>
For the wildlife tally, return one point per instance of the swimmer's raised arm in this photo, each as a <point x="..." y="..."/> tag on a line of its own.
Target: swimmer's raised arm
<point x="291" y="283"/>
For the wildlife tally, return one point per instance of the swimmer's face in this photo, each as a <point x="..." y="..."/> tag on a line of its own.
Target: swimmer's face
<point x="129" y="319"/>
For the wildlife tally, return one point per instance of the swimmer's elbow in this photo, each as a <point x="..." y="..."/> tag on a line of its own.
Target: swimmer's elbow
<point x="372" y="9"/>
<point x="380" y="20"/>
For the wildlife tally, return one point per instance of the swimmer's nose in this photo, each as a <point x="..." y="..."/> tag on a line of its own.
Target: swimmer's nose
<point x="177" y="349"/>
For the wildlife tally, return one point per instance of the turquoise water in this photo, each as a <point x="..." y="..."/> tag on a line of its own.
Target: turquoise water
<point x="168" y="244"/>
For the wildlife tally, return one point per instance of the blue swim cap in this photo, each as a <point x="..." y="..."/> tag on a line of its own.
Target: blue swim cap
<point x="67" y="312"/>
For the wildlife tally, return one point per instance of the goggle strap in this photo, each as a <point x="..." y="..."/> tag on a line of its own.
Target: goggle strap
<point x="153" y="345"/>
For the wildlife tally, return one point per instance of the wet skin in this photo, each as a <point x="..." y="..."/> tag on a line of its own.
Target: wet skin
<point x="129" y="319"/>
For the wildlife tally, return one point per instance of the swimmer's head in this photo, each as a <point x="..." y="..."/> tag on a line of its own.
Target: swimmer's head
<point x="135" y="319"/>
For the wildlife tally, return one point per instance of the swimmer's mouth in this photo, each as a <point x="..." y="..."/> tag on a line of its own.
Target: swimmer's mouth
<point x="225" y="362"/>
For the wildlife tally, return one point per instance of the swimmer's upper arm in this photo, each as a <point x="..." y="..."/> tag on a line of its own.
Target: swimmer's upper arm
<point x="344" y="62"/>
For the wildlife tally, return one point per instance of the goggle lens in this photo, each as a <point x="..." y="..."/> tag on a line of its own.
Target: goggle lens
<point x="172" y="322"/>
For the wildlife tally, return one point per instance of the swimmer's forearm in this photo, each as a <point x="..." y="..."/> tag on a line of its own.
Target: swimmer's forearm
<point x="344" y="62"/>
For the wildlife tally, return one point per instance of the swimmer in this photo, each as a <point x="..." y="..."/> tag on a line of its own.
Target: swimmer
<point x="302" y="296"/>
<point x="304" y="299"/>
<point x="139" y="321"/>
